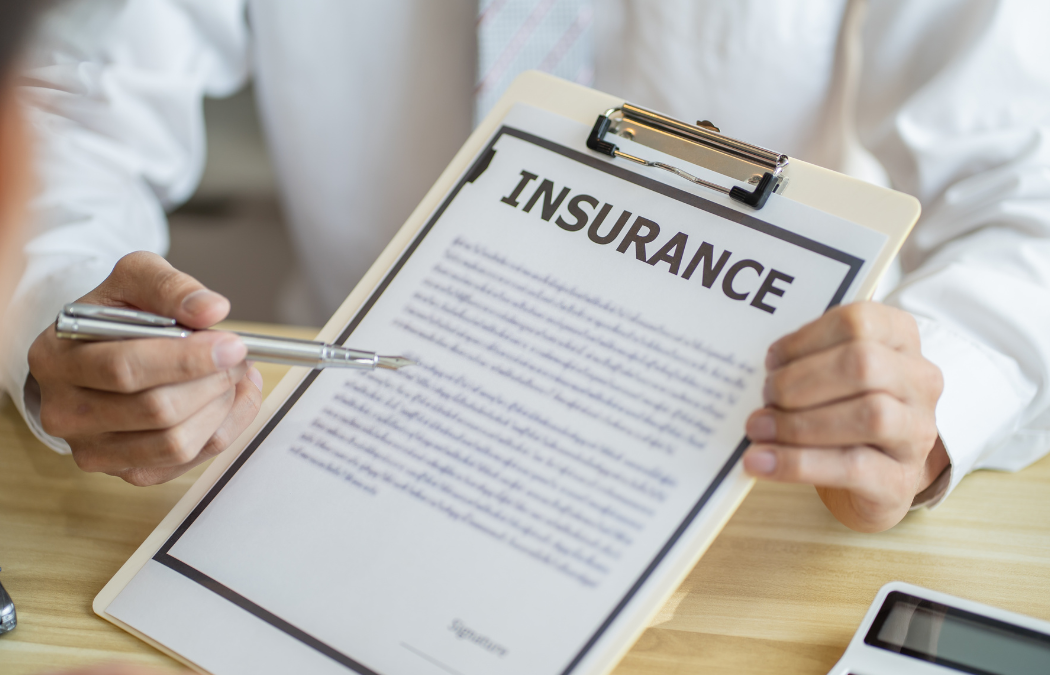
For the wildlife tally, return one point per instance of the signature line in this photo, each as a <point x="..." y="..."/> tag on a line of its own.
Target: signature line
<point x="437" y="663"/>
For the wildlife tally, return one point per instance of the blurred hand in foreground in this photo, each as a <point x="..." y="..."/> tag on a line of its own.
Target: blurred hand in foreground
<point x="115" y="669"/>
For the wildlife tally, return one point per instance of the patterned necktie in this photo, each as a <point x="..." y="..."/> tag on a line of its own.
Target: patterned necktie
<point x="554" y="36"/>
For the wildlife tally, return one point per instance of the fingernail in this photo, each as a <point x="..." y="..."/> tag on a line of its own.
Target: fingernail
<point x="767" y="392"/>
<point x="762" y="427"/>
<point x="771" y="359"/>
<point x="228" y="352"/>
<point x="256" y="377"/>
<point x="760" y="462"/>
<point x="198" y="301"/>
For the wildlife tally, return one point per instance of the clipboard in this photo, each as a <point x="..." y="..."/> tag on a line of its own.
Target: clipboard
<point x="750" y="174"/>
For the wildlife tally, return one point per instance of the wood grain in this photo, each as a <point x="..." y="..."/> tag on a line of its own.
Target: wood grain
<point x="64" y="533"/>
<point x="781" y="590"/>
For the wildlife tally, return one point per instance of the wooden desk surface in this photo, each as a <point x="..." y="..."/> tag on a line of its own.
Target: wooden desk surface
<point x="781" y="590"/>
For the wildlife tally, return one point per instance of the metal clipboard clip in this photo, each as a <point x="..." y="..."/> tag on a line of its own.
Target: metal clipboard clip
<point x="702" y="144"/>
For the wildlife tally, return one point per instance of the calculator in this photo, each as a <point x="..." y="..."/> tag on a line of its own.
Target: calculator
<point x="910" y="630"/>
<point x="8" y="618"/>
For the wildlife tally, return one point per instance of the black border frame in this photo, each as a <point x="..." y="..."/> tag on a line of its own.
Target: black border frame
<point x="872" y="638"/>
<point x="163" y="556"/>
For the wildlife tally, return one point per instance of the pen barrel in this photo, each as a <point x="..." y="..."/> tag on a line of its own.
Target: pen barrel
<point x="77" y="328"/>
<point x="306" y="353"/>
<point x="260" y="347"/>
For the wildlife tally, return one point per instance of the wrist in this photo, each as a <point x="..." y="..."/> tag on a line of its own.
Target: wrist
<point x="935" y="476"/>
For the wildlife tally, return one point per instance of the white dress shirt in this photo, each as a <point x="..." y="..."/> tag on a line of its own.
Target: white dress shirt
<point x="364" y="103"/>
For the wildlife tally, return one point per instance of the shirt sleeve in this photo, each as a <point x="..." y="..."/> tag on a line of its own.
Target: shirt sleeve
<point x="113" y="91"/>
<point x="954" y="101"/>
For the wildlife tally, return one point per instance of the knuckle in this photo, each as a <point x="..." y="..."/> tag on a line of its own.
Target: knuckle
<point x="126" y="274"/>
<point x="862" y="362"/>
<point x="132" y="260"/>
<point x="51" y="419"/>
<point x="191" y="364"/>
<point x="935" y="379"/>
<point x="926" y="433"/>
<point x="38" y="356"/>
<point x="59" y="411"/>
<point x="878" y="415"/>
<point x="117" y="372"/>
<point x="175" y="448"/>
<point x="909" y="326"/>
<point x="855" y="320"/>
<point x="232" y="376"/>
<point x="125" y="264"/>
<point x="36" y="361"/>
<point x="127" y="268"/>
<point x="169" y="284"/>
<point x="218" y="442"/>
<point x="158" y="410"/>
<point x="929" y="440"/>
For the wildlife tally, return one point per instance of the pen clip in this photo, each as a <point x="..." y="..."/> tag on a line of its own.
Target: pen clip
<point x="82" y="310"/>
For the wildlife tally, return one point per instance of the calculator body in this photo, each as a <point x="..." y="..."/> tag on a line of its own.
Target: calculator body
<point x="910" y="630"/>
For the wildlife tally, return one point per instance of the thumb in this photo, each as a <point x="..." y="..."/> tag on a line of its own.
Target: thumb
<point x="148" y="282"/>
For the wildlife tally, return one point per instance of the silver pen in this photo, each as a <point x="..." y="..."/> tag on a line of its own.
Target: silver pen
<point x="81" y="321"/>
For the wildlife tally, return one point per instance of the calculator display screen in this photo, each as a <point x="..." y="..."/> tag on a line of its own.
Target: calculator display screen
<point x="968" y="642"/>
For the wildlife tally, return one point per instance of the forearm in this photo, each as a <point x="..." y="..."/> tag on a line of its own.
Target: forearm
<point x="88" y="214"/>
<point x="983" y="317"/>
<point x="955" y="106"/>
<point x="119" y="133"/>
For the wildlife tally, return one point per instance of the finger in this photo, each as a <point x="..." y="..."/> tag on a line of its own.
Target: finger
<point x="148" y="282"/>
<point x="864" y="470"/>
<point x="87" y="412"/>
<point x="848" y="370"/>
<point x="116" y="452"/>
<point x="127" y="366"/>
<point x="245" y="408"/>
<point x="871" y="321"/>
<point x="872" y="419"/>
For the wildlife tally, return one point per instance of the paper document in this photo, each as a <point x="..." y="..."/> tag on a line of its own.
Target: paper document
<point x="590" y="339"/>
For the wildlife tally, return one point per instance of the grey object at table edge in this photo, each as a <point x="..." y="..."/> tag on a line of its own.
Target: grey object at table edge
<point x="8" y="616"/>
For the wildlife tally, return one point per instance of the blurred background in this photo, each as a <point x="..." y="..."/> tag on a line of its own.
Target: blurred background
<point x="231" y="234"/>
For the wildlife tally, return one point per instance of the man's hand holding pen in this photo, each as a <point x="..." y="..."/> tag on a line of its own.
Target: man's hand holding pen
<point x="148" y="410"/>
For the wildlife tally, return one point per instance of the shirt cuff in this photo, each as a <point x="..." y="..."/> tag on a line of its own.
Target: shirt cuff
<point x="37" y="301"/>
<point x="984" y="394"/>
<point x="935" y="492"/>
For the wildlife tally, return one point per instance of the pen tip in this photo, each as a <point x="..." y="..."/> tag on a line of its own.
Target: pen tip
<point x="394" y="362"/>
